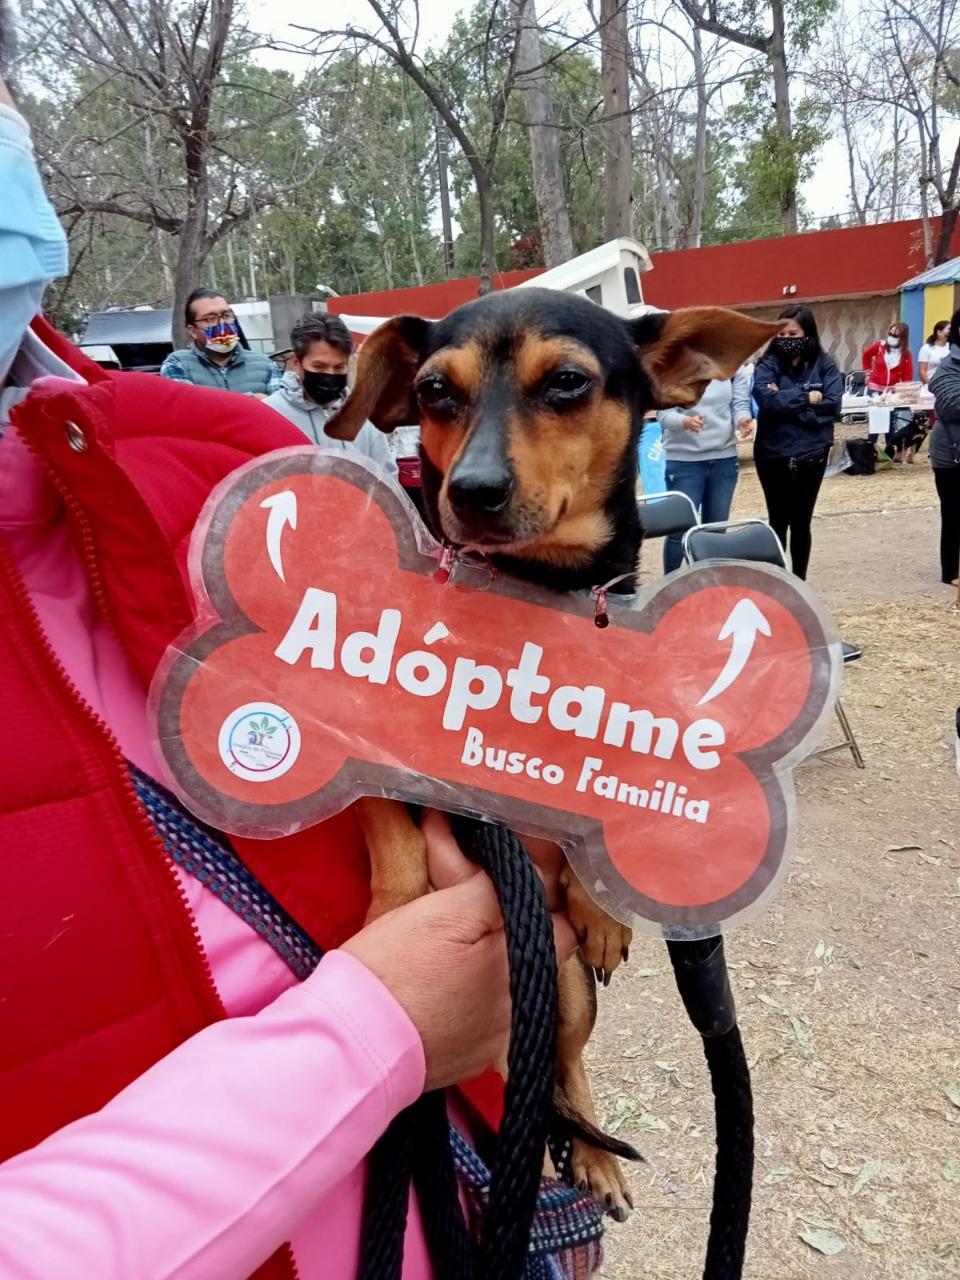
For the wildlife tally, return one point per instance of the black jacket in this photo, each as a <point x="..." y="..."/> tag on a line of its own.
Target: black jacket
<point x="788" y="425"/>
<point x="945" y="436"/>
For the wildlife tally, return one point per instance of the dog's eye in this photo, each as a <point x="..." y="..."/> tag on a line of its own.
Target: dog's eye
<point x="566" y="385"/>
<point x="437" y="393"/>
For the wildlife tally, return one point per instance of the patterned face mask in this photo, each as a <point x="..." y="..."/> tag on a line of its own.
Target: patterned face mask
<point x="221" y="338"/>
<point x="790" y="347"/>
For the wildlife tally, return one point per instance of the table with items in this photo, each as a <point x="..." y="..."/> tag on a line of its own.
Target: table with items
<point x="879" y="411"/>
<point x="903" y="416"/>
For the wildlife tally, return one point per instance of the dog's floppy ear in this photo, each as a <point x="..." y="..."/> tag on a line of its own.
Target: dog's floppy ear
<point x="684" y="350"/>
<point x="386" y="368"/>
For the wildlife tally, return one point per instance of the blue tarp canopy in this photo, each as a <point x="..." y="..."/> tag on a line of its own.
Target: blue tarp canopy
<point x="946" y="273"/>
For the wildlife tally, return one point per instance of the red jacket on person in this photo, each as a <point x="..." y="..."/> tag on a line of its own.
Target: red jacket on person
<point x="879" y="376"/>
<point x="134" y="458"/>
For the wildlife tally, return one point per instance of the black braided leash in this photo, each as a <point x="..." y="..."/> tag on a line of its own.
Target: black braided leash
<point x="435" y="1179"/>
<point x="522" y="1140"/>
<point x="704" y="984"/>
<point x="416" y="1143"/>
<point x="532" y="1056"/>
<point x="386" y="1200"/>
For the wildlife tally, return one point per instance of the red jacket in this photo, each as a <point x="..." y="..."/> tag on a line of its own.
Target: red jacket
<point x="878" y="375"/>
<point x="127" y="980"/>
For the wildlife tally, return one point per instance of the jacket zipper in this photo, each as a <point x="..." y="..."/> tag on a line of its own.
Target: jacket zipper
<point x="95" y="580"/>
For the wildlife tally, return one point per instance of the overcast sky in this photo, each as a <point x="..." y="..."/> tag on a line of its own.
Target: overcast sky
<point x="826" y="192"/>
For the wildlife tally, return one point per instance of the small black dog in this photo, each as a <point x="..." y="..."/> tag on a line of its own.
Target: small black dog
<point x="530" y="405"/>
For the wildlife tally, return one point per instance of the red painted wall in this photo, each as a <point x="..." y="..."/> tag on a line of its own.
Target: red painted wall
<point x="430" y="300"/>
<point x="822" y="264"/>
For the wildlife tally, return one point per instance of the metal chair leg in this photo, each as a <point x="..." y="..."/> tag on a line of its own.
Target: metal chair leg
<point x="849" y="736"/>
<point x="849" y="740"/>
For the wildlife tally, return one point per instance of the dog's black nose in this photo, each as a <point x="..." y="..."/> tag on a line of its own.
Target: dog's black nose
<point x="480" y="492"/>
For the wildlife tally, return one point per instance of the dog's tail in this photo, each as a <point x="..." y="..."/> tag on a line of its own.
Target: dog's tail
<point x="571" y="1124"/>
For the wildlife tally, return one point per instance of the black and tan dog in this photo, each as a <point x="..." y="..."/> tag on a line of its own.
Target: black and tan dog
<point x="530" y="404"/>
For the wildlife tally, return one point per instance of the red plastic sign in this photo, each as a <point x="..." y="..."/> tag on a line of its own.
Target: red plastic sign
<point x="331" y="660"/>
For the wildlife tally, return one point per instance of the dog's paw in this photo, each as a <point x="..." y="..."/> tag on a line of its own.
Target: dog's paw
<point x="599" y="1173"/>
<point x="603" y="941"/>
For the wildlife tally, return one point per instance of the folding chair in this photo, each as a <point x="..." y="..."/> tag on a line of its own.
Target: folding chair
<point x="755" y="540"/>
<point x="666" y="514"/>
<point x="734" y="540"/>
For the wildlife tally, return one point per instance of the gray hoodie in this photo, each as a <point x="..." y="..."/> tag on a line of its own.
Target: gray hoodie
<point x="312" y="418"/>
<point x="723" y="404"/>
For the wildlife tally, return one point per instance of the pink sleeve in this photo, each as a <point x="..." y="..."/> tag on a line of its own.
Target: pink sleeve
<point x="206" y="1164"/>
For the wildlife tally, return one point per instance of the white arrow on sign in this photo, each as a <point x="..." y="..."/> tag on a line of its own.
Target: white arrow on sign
<point x="283" y="511"/>
<point x="744" y="623"/>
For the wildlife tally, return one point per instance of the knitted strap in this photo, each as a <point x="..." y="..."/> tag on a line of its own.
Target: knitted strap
<point x="567" y="1228"/>
<point x="205" y="854"/>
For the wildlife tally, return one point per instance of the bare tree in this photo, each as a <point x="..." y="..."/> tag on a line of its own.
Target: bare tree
<point x="900" y="67"/>
<point x="669" y="66"/>
<point x="389" y="38"/>
<point x="615" y="79"/>
<point x="923" y="36"/>
<point x="555" y="236"/>
<point x="707" y="16"/>
<point x="133" y="133"/>
<point x="851" y="64"/>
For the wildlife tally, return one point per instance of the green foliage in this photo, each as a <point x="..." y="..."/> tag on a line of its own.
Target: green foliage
<point x="770" y="166"/>
<point x="574" y="81"/>
<point x="352" y="148"/>
<point x="363" y="219"/>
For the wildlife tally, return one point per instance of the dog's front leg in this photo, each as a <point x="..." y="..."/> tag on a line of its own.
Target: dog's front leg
<point x="604" y="942"/>
<point x="398" y="854"/>
<point x="591" y="1166"/>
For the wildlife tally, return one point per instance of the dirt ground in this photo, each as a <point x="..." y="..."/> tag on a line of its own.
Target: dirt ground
<point x="848" y="987"/>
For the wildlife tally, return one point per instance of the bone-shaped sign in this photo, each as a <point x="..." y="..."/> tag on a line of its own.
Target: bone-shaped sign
<point x="332" y="659"/>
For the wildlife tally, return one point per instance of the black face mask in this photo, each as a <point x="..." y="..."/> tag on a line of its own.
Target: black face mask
<point x="790" y="348"/>
<point x="324" y="388"/>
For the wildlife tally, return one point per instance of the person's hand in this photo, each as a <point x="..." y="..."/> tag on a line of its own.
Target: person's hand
<point x="444" y="958"/>
<point x="693" y="422"/>
<point x="5" y="97"/>
<point x="815" y="397"/>
<point x="745" y="428"/>
<point x="772" y="386"/>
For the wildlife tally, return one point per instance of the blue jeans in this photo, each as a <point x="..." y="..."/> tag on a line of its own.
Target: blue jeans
<point x="709" y="486"/>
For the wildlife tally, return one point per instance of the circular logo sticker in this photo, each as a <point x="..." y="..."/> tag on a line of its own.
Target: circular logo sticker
<point x="259" y="742"/>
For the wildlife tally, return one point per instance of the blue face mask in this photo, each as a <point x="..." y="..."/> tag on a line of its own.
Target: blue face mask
<point x="33" y="247"/>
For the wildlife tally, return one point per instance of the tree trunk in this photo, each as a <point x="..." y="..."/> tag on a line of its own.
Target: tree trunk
<point x="191" y="255"/>
<point x="698" y="194"/>
<point x="444" y="185"/>
<point x="895" y="176"/>
<point x="615" y="80"/>
<point x="485" y="198"/>
<point x="555" y="236"/>
<point x="858" y="209"/>
<point x="925" y="224"/>
<point x="232" y="267"/>
<point x="668" y="205"/>
<point x="948" y="220"/>
<point x="781" y="97"/>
